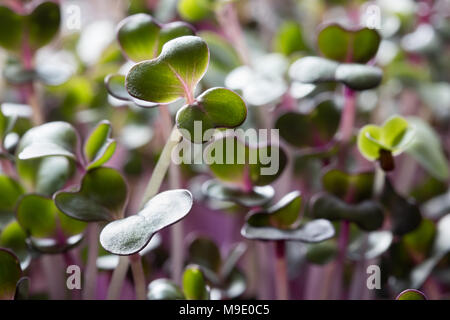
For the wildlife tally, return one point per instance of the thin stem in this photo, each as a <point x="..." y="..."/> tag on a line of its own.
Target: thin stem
<point x="161" y="166"/>
<point x="29" y="89"/>
<point x="229" y="22"/>
<point x="176" y="231"/>
<point x="118" y="276"/>
<point x="281" y="284"/>
<point x="138" y="276"/>
<point x="90" y="280"/>
<point x="378" y="182"/>
<point x="340" y="263"/>
<point x="348" y="116"/>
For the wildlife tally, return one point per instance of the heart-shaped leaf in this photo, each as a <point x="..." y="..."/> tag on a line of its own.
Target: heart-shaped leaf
<point x="420" y="240"/>
<point x="427" y="150"/>
<point x="51" y="139"/>
<point x="10" y="191"/>
<point x="164" y="289"/>
<point x="258" y="196"/>
<point x="393" y="136"/>
<point x="173" y="74"/>
<point x="233" y="161"/>
<point x="48" y="229"/>
<point x="411" y="294"/>
<point x="283" y="215"/>
<point x="368" y="215"/>
<point x="142" y="38"/>
<point x="14" y="238"/>
<point x="370" y="245"/>
<point x="99" y="147"/>
<point x="37" y="28"/>
<point x="194" y="285"/>
<point x="195" y="10"/>
<point x="101" y="197"/>
<point x="10" y="274"/>
<point x="310" y="232"/>
<point x="351" y="187"/>
<point x="130" y="235"/>
<point x="215" y="108"/>
<point x="319" y="70"/>
<point x="311" y="129"/>
<point x="338" y="43"/>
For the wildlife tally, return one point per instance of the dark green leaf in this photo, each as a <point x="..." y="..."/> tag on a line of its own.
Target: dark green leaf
<point x="141" y="37"/>
<point x="205" y="253"/>
<point x="49" y="230"/>
<point x="340" y="44"/>
<point x="282" y="215"/>
<point x="310" y="129"/>
<point x="368" y="215"/>
<point x="215" y="108"/>
<point x="14" y="238"/>
<point x="261" y="165"/>
<point x="175" y="73"/>
<point x="11" y="29"/>
<point x="351" y="187"/>
<point x="10" y="273"/>
<point x="404" y="213"/>
<point x="43" y="24"/>
<point x="101" y="197"/>
<point x="10" y="191"/>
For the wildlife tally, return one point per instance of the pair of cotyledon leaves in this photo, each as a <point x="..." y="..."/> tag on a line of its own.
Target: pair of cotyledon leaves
<point x="102" y="196"/>
<point x="281" y="222"/>
<point x="345" y="53"/>
<point x="103" y="192"/>
<point x="45" y="161"/>
<point x="46" y="154"/>
<point x="348" y="196"/>
<point x="412" y="135"/>
<point x="176" y="63"/>
<point x="32" y="31"/>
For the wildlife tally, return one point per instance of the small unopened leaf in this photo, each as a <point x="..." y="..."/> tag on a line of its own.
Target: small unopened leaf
<point x="194" y="285"/>
<point x="99" y="147"/>
<point x="411" y="294"/>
